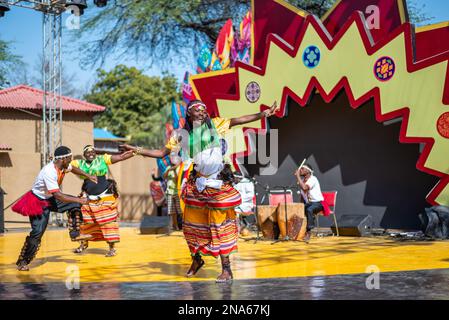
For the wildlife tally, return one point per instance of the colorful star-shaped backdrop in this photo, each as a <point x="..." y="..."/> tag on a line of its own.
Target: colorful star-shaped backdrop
<point x="404" y="70"/>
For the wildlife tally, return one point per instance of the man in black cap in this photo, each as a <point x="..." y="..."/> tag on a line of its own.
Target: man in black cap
<point x="44" y="197"/>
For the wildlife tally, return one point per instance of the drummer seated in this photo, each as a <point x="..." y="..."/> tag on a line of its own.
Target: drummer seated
<point x="311" y="192"/>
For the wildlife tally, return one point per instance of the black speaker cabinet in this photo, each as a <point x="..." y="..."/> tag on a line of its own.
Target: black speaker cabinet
<point x="354" y="225"/>
<point x="154" y="225"/>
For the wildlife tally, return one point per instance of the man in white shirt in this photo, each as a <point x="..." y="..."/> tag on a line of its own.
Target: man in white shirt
<point x="246" y="189"/>
<point x="44" y="197"/>
<point x="311" y="193"/>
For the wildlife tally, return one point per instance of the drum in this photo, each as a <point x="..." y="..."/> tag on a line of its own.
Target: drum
<point x="267" y="218"/>
<point x="296" y="221"/>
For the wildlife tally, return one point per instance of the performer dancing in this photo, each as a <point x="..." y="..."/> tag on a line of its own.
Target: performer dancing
<point x="209" y="222"/>
<point x="100" y="217"/>
<point x="44" y="197"/>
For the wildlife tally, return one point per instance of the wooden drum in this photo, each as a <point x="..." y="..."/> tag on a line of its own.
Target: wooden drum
<point x="296" y="221"/>
<point x="267" y="218"/>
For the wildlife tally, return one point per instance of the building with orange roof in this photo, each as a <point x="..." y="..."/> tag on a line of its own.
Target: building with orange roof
<point x="20" y="152"/>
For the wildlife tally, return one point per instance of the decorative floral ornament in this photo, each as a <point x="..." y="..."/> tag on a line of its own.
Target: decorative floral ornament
<point x="252" y="92"/>
<point x="384" y="69"/>
<point x="311" y="57"/>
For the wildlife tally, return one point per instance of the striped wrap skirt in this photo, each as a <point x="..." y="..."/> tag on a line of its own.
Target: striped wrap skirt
<point x="100" y="219"/>
<point x="210" y="226"/>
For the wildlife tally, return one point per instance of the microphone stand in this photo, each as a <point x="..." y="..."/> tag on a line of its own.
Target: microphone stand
<point x="266" y="190"/>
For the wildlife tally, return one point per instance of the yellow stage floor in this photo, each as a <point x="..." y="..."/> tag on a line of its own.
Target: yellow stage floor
<point x="151" y="258"/>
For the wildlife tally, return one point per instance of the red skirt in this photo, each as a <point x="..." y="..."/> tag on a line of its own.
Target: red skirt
<point x="30" y="205"/>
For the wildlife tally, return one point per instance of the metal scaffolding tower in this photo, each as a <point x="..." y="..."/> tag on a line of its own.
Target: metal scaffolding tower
<point x="51" y="130"/>
<point x="51" y="80"/>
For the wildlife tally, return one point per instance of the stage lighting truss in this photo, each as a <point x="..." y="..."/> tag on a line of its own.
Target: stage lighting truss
<point x="51" y="132"/>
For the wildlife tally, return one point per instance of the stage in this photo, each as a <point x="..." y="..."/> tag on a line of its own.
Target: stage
<point x="153" y="267"/>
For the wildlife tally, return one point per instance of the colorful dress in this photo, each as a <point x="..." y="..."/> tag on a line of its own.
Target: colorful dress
<point x="209" y="220"/>
<point x="100" y="218"/>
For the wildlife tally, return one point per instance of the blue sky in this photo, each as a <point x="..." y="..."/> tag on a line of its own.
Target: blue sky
<point x="24" y="28"/>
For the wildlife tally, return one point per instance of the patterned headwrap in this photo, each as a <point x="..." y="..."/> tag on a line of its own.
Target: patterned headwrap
<point x="196" y="105"/>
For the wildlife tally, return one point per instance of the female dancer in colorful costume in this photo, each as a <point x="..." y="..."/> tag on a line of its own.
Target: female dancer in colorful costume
<point x="209" y="221"/>
<point x="100" y="216"/>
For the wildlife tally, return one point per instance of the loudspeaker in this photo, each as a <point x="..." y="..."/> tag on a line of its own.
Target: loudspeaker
<point x="354" y="225"/>
<point x="154" y="225"/>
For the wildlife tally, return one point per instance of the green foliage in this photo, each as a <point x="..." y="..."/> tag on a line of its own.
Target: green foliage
<point x="316" y="7"/>
<point x="8" y="61"/>
<point x="417" y="13"/>
<point x="159" y="29"/>
<point x="137" y="105"/>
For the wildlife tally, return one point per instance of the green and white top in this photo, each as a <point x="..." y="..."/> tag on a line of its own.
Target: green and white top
<point x="204" y="148"/>
<point x="202" y="138"/>
<point x="98" y="167"/>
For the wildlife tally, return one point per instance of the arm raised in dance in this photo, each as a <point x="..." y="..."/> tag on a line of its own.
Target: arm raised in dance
<point x="121" y="157"/>
<point x="145" y="152"/>
<point x="200" y="115"/>
<point x="253" y="117"/>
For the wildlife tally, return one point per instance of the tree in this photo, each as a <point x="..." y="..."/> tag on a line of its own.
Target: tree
<point x="137" y="105"/>
<point x="8" y="61"/>
<point x="417" y="14"/>
<point x="165" y="31"/>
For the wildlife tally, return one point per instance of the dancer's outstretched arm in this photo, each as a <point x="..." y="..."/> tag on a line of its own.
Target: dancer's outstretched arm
<point x="81" y="173"/>
<point x="147" y="153"/>
<point x="253" y="117"/>
<point x="123" y="156"/>
<point x="68" y="198"/>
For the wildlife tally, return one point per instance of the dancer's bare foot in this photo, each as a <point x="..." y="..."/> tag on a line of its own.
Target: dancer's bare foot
<point x="83" y="246"/>
<point x="111" y="253"/>
<point x="226" y="273"/>
<point x="196" y="265"/>
<point x="225" y="276"/>
<point x="23" y="267"/>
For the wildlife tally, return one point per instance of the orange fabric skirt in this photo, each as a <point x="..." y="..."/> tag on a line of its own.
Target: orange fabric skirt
<point x="100" y="220"/>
